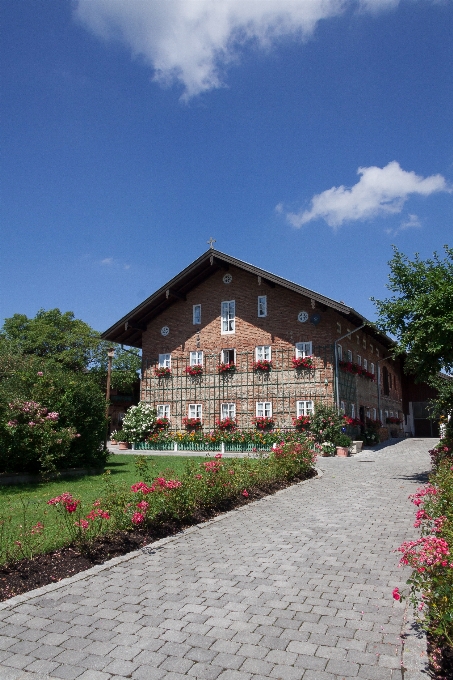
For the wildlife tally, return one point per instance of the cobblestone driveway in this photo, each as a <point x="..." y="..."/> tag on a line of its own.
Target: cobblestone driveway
<point x="295" y="586"/>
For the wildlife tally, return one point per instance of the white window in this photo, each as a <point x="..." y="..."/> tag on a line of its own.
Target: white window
<point x="196" y="358"/>
<point x="263" y="353"/>
<point x="303" y="349"/>
<point x="352" y="410"/>
<point x="368" y="414"/>
<point x="163" y="410"/>
<point x="371" y="348"/>
<point x="338" y="327"/>
<point x="228" y="356"/>
<point x="372" y="368"/>
<point x="391" y="414"/>
<point x="195" y="411"/>
<point x="365" y="364"/>
<point x="228" y="316"/>
<point x="228" y="411"/>
<point x="339" y="352"/>
<point x="263" y="409"/>
<point x="262" y="305"/>
<point x="304" y="408"/>
<point x="164" y="360"/>
<point x="342" y="408"/>
<point x="358" y="339"/>
<point x="377" y="351"/>
<point x="359" y="360"/>
<point x="364" y="343"/>
<point x="374" y="414"/>
<point x="349" y="355"/>
<point x="197" y="314"/>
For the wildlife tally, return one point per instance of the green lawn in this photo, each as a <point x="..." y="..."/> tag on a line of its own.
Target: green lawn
<point x="34" y="497"/>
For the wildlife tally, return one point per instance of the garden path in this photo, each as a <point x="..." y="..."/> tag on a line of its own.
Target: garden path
<point x="295" y="586"/>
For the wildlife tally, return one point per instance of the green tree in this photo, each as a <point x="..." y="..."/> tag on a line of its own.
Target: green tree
<point x="72" y="344"/>
<point x="419" y="315"/>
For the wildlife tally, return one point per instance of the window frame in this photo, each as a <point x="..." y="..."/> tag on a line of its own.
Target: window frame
<point x="196" y="308"/>
<point x="372" y="368"/>
<point x="302" y="408"/>
<point x="264" y="353"/>
<point x="230" y="411"/>
<point x="264" y="404"/>
<point x="196" y="408"/>
<point x="164" y="363"/>
<point x="301" y="349"/>
<point x="340" y="352"/>
<point x="222" y="355"/>
<point x="262" y="306"/>
<point x="349" y="354"/>
<point x="227" y="320"/>
<point x="365" y="364"/>
<point x="196" y="360"/>
<point x="165" y="411"/>
<point x="352" y="410"/>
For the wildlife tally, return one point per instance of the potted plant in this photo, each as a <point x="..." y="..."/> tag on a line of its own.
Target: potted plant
<point x="227" y="424"/>
<point x="302" y="363"/>
<point x="162" y="371"/>
<point x="263" y="423"/>
<point x="114" y="437"/>
<point x="226" y="368"/>
<point x="192" y="423"/>
<point x="194" y="370"/>
<point x="302" y="423"/>
<point x="342" y="444"/>
<point x="123" y="444"/>
<point x="327" y="449"/>
<point x="263" y="365"/>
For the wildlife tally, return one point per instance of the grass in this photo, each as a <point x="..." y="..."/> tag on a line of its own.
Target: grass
<point x="23" y="505"/>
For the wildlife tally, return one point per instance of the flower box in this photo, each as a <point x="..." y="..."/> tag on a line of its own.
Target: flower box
<point x="162" y="424"/>
<point x="263" y="423"/>
<point x="194" y="370"/>
<point x="302" y="422"/>
<point x="192" y="423"/>
<point x="226" y="368"/>
<point x="355" y="369"/>
<point x="162" y="371"/>
<point x="227" y="424"/>
<point x="264" y="366"/>
<point x="391" y="420"/>
<point x="302" y="363"/>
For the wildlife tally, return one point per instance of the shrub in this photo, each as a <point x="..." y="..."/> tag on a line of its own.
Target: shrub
<point x="138" y="422"/>
<point x="343" y="440"/>
<point x="326" y="425"/>
<point x="78" y="400"/>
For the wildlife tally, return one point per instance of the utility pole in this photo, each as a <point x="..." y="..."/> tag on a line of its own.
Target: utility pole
<point x="110" y="355"/>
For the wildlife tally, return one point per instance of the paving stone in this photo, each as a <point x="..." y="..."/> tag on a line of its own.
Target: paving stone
<point x="295" y="586"/>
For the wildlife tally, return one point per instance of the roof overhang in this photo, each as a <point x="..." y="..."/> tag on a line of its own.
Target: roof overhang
<point x="128" y="330"/>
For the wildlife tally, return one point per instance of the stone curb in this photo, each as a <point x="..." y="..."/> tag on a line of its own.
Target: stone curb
<point x="147" y="549"/>
<point x="414" y="655"/>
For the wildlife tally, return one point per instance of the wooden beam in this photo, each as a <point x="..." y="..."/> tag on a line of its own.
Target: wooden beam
<point x="134" y="325"/>
<point x="175" y="294"/>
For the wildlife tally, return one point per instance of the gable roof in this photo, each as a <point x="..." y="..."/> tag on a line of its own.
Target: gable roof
<point x="128" y="330"/>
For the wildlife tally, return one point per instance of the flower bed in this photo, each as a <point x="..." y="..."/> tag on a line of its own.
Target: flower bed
<point x="431" y="558"/>
<point x="155" y="502"/>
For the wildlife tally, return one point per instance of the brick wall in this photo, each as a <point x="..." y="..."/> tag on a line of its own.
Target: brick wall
<point x="280" y="329"/>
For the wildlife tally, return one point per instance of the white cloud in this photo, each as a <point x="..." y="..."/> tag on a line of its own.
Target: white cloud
<point x="191" y="41"/>
<point x="412" y="222"/>
<point x="107" y="260"/>
<point x="380" y="191"/>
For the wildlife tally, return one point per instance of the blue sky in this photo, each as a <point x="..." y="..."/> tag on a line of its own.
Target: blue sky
<point x="306" y="138"/>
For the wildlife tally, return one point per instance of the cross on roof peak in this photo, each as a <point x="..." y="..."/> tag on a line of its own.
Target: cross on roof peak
<point x="211" y="243"/>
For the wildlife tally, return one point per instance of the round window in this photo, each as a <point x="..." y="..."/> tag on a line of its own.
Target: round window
<point x="164" y="330"/>
<point x="302" y="317"/>
<point x="227" y="278"/>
